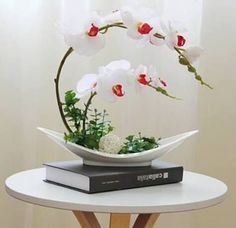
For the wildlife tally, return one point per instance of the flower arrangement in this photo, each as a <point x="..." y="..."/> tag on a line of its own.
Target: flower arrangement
<point x="90" y="127"/>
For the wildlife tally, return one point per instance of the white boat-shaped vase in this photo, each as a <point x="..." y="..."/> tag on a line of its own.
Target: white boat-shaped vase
<point x="98" y="158"/>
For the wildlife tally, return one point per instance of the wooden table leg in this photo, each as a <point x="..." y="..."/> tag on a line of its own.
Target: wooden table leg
<point x="145" y="220"/>
<point x="119" y="220"/>
<point x="87" y="219"/>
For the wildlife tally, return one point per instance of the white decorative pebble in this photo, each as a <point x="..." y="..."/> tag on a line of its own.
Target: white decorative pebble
<point x="110" y="143"/>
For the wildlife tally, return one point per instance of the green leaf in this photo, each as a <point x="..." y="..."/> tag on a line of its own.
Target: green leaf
<point x="135" y="144"/>
<point x="150" y="140"/>
<point x="130" y="138"/>
<point x="70" y="98"/>
<point x="91" y="141"/>
<point x="92" y="122"/>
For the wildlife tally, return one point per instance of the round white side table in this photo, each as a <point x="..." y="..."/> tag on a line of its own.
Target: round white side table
<point x="196" y="191"/>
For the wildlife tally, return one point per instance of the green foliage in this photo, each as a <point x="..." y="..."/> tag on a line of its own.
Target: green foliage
<point x="87" y="131"/>
<point x="70" y="98"/>
<point x="74" y="137"/>
<point x="90" y="125"/>
<point x="135" y="144"/>
<point x="98" y="125"/>
<point x="73" y="114"/>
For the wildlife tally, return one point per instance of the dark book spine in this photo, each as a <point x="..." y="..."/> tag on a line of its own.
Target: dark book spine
<point x="135" y="180"/>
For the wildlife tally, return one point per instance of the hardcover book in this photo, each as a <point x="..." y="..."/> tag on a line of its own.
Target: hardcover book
<point x="93" y="179"/>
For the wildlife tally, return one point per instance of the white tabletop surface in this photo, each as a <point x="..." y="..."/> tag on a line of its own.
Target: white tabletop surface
<point x="195" y="192"/>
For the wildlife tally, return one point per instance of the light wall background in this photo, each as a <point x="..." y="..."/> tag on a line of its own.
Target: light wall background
<point x="31" y="47"/>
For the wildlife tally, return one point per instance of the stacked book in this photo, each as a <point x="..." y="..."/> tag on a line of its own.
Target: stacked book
<point x="93" y="179"/>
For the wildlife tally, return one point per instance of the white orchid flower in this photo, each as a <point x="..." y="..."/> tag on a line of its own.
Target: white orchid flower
<point x="141" y="78"/>
<point x="113" y="80"/>
<point x="138" y="22"/>
<point x="117" y="64"/>
<point x="172" y="31"/>
<point x="147" y="76"/>
<point x="86" y="85"/>
<point x="151" y="38"/>
<point x="192" y="53"/>
<point x="157" y="29"/>
<point x="113" y="17"/>
<point x="154" y="79"/>
<point x="86" y="39"/>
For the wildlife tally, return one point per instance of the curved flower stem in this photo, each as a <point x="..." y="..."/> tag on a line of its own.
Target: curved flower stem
<point x="159" y="36"/>
<point x="56" y="80"/>
<point x="191" y="68"/>
<point x="105" y="28"/>
<point x="163" y="91"/>
<point x="86" y="111"/>
<point x="179" y="50"/>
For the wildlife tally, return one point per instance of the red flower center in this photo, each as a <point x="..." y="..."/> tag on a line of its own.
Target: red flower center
<point x="143" y="79"/>
<point x="93" y="30"/>
<point x="118" y="90"/>
<point x="144" y="28"/>
<point x="180" y="41"/>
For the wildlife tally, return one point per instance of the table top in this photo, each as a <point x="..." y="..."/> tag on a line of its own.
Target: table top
<point x="194" y="192"/>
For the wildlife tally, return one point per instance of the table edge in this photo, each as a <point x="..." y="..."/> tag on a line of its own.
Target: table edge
<point x="117" y="209"/>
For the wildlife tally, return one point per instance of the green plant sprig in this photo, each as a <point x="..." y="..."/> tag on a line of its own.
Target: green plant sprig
<point x="72" y="113"/>
<point x="87" y="126"/>
<point x="135" y="144"/>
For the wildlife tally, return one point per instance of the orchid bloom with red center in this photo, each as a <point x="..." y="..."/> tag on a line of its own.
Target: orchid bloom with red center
<point x="139" y="23"/>
<point x="147" y="77"/>
<point x="141" y="78"/>
<point x="112" y="81"/>
<point x="85" y="38"/>
<point x="155" y="80"/>
<point x="173" y="38"/>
